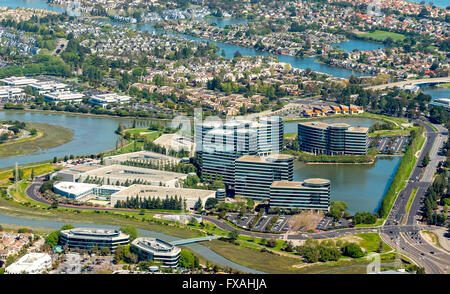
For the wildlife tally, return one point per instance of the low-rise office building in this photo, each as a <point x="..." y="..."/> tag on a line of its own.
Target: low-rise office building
<point x="19" y="81"/>
<point x="79" y="191"/>
<point x="255" y="174"/>
<point x="309" y="194"/>
<point x="108" y="98"/>
<point x="9" y="92"/>
<point x="332" y="139"/>
<point x="191" y="196"/>
<point x="141" y="156"/>
<point x="86" y="238"/>
<point x="43" y="87"/>
<point x="31" y="263"/>
<point x="159" y="250"/>
<point x="118" y="174"/>
<point x="63" y="96"/>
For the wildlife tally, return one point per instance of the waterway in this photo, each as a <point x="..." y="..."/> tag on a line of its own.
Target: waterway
<point x="361" y="186"/>
<point x="437" y="92"/>
<point x="198" y="248"/>
<point x="91" y="135"/>
<point x="437" y="3"/>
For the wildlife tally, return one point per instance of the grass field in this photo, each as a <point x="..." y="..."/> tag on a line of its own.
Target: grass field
<point x="53" y="136"/>
<point x="433" y="237"/>
<point x="411" y="199"/>
<point x="39" y="169"/>
<point x="130" y="146"/>
<point x="382" y="35"/>
<point x="277" y="264"/>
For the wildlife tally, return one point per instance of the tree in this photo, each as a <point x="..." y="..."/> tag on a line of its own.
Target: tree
<point x="32" y="174"/>
<point x="237" y="54"/>
<point x="198" y="205"/>
<point x="131" y="231"/>
<point x="54" y="204"/>
<point x="271" y="243"/>
<point x="105" y="251"/>
<point x="426" y="160"/>
<point x="233" y="236"/>
<point x="352" y="250"/>
<point x="211" y="203"/>
<point x="337" y="209"/>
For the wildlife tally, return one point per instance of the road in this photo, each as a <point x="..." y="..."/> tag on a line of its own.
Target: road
<point x="411" y="82"/>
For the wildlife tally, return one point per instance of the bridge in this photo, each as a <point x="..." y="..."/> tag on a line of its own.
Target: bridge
<point x="441" y="80"/>
<point x="193" y="240"/>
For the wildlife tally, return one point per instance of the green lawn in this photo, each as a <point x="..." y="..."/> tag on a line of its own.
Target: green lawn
<point x="379" y="222"/>
<point x="411" y="199"/>
<point x="382" y="35"/>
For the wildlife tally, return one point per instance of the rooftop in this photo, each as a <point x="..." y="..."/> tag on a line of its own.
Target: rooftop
<point x="123" y="172"/>
<point x="299" y="184"/>
<point x="264" y="159"/>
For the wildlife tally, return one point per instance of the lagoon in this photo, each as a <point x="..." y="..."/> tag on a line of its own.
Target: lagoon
<point x="361" y="186"/>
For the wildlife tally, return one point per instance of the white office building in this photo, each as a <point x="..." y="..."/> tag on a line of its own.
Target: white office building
<point x="109" y="98"/>
<point x="31" y="263"/>
<point x="19" y="81"/>
<point x="10" y="92"/>
<point x="44" y="87"/>
<point x="159" y="250"/>
<point x="64" y="96"/>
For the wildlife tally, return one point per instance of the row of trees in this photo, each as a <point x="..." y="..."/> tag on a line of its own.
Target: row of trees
<point x="184" y="168"/>
<point x="172" y="203"/>
<point x="435" y="193"/>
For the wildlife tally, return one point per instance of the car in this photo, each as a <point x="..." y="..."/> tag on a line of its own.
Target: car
<point x="432" y="252"/>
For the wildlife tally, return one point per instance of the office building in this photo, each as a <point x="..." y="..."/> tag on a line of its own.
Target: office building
<point x="218" y="146"/>
<point x="44" y="87"/>
<point x="117" y="174"/>
<point x="19" y="81"/>
<point x="190" y="196"/>
<point x="332" y="139"/>
<point x="141" y="156"/>
<point x="31" y="263"/>
<point x="9" y="92"/>
<point x="79" y="191"/>
<point x="309" y="194"/>
<point x="158" y="250"/>
<point x="270" y="135"/>
<point x="109" y="98"/>
<point x="255" y="174"/>
<point x="86" y="238"/>
<point x="63" y="96"/>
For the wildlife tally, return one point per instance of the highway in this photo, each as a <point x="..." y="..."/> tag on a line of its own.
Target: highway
<point x="411" y="82"/>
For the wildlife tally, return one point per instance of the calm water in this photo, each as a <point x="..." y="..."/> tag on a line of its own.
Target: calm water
<point x="291" y="127"/>
<point x="91" y="135"/>
<point x="200" y="249"/>
<point x="222" y="22"/>
<point x="438" y="3"/>
<point x="362" y="187"/>
<point x="437" y="92"/>
<point x="360" y="45"/>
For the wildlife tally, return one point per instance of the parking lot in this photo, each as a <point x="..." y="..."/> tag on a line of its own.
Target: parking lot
<point x="75" y="263"/>
<point x="328" y="223"/>
<point x="391" y="144"/>
<point x="280" y="225"/>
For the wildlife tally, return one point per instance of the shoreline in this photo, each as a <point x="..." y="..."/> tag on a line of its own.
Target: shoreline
<point x="28" y="110"/>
